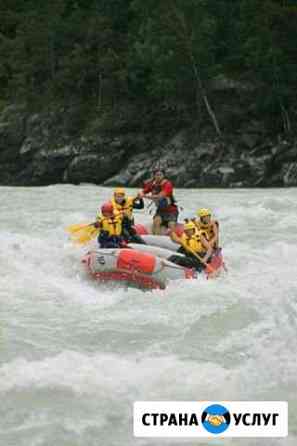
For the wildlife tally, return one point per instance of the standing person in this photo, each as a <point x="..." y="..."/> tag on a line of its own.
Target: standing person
<point x="160" y="191"/>
<point x="124" y="205"/>
<point x="208" y="227"/>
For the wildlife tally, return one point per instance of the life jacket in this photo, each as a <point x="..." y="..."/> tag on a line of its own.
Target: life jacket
<point x="111" y="225"/>
<point x="194" y="242"/>
<point x="157" y="188"/>
<point x="125" y="209"/>
<point x="207" y="230"/>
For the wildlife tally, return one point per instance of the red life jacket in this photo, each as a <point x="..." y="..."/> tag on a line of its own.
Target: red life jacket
<point x="156" y="188"/>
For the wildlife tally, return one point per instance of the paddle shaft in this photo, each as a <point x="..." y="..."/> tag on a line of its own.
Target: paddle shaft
<point x="187" y="248"/>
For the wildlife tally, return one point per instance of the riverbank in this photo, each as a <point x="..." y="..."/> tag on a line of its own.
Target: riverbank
<point x="63" y="144"/>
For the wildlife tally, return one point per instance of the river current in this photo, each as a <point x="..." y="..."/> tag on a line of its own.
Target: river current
<point x="74" y="355"/>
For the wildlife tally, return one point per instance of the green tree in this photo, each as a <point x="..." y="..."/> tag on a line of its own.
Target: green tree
<point x="175" y="46"/>
<point x="269" y="51"/>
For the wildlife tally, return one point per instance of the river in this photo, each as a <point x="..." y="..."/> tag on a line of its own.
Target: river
<point x="75" y="356"/>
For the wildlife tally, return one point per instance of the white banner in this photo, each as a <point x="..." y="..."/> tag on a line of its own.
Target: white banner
<point x="211" y="419"/>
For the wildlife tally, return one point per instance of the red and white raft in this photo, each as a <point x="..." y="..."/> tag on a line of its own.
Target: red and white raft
<point x="216" y="265"/>
<point x="141" y="269"/>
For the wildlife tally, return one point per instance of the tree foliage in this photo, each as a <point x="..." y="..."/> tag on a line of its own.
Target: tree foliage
<point x="107" y="51"/>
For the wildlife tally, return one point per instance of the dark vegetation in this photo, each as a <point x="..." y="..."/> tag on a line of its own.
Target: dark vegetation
<point x="149" y="61"/>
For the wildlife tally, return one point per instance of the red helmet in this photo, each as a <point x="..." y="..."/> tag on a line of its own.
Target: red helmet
<point x="107" y="209"/>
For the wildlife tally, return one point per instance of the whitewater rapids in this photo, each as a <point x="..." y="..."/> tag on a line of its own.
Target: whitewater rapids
<point x="75" y="356"/>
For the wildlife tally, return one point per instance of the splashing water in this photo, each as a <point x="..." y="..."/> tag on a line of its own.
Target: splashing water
<point x="75" y="356"/>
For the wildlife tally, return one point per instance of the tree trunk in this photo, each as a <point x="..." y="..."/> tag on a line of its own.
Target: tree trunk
<point x="199" y="82"/>
<point x="52" y="55"/>
<point x="99" y="95"/>
<point x="286" y="118"/>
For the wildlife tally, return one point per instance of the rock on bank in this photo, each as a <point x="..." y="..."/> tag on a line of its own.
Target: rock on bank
<point x="38" y="149"/>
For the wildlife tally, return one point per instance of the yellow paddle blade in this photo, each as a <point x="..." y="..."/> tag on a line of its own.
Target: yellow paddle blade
<point x="75" y="228"/>
<point x="84" y="235"/>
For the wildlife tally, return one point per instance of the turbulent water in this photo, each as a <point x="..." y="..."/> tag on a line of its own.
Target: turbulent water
<point x="75" y="356"/>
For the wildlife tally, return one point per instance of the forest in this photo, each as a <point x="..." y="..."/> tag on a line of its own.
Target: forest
<point x="99" y="54"/>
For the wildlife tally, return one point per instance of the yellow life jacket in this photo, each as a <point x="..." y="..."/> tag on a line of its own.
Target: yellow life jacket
<point x="207" y="229"/>
<point x="125" y="208"/>
<point x="112" y="225"/>
<point x="194" y="242"/>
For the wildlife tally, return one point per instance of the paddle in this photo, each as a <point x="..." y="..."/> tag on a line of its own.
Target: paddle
<point x="208" y="268"/>
<point x="82" y="233"/>
<point x="77" y="227"/>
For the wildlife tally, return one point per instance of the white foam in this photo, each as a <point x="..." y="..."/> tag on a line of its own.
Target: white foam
<point x="228" y="338"/>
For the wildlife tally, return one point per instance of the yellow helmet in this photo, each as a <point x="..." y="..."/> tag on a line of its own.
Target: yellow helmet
<point x="204" y="212"/>
<point x="189" y="225"/>
<point x="119" y="191"/>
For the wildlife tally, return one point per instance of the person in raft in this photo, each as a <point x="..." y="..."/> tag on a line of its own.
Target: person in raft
<point x="208" y="227"/>
<point x="160" y="191"/>
<point x="124" y="205"/>
<point x="194" y="246"/>
<point x="110" y="227"/>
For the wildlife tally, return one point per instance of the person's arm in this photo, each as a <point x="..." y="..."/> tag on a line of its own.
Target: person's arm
<point x="175" y="238"/>
<point x="164" y="196"/>
<point x="103" y="236"/>
<point x="147" y="192"/>
<point x="147" y="187"/>
<point x="208" y="248"/>
<point x="138" y="202"/>
<point x="215" y="237"/>
<point x="166" y="192"/>
<point x="97" y="223"/>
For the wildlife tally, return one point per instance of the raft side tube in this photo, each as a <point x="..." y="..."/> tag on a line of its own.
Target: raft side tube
<point x="144" y="270"/>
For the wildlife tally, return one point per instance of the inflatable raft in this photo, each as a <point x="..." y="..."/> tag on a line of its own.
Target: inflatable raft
<point x="161" y="241"/>
<point x="133" y="267"/>
<point x="155" y="250"/>
<point x="216" y="264"/>
<point x="165" y="247"/>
